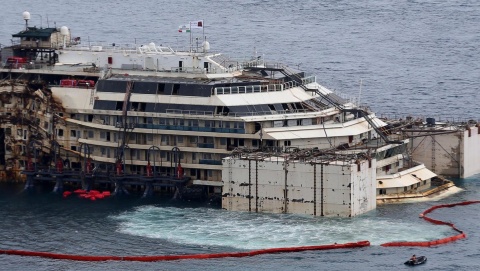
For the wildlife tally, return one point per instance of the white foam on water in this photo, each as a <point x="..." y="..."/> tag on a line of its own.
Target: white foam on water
<point x="214" y="227"/>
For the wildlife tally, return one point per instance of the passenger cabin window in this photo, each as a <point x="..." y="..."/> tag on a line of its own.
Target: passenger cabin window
<point x="140" y="107"/>
<point x="258" y="126"/>
<point x="222" y="110"/>
<point x="223" y="141"/>
<point x="161" y="88"/>
<point x="175" y="89"/>
<point x="119" y="106"/>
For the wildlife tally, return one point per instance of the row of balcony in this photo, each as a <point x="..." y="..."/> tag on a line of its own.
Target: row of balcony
<point x="190" y="128"/>
<point x="210" y="162"/>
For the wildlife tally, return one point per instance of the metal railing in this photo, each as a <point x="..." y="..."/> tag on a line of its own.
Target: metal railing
<point x="438" y="118"/>
<point x="190" y="128"/>
<point x="210" y="162"/>
<point x="206" y="145"/>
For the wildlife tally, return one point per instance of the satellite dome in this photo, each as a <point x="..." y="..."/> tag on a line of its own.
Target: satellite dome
<point x="64" y="30"/>
<point x="26" y="15"/>
<point x="152" y="45"/>
<point x="206" y="46"/>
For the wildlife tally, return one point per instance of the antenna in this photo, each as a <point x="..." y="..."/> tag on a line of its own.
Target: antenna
<point x="360" y="92"/>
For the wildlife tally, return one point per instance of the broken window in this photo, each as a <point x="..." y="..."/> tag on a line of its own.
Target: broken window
<point x="161" y="88"/>
<point x="106" y="120"/>
<point x="165" y="139"/>
<point x="119" y="106"/>
<point x="175" y="89"/>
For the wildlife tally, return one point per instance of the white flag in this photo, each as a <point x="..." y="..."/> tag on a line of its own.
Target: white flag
<point x="196" y="24"/>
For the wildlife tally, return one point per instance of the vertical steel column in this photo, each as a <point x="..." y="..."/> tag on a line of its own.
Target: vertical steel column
<point x="285" y="189"/>
<point x="249" y="185"/>
<point x="230" y="181"/>
<point x="321" y="189"/>
<point x="433" y="153"/>
<point x="315" y="189"/>
<point x="256" y="185"/>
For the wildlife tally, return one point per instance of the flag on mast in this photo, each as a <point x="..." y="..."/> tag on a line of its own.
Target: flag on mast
<point x="196" y="24"/>
<point x="184" y="29"/>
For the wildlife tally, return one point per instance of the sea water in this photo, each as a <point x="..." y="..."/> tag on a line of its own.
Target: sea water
<point x="398" y="57"/>
<point x="40" y="220"/>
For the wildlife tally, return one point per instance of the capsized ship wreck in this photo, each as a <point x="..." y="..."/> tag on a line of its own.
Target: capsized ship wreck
<point x="154" y="118"/>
